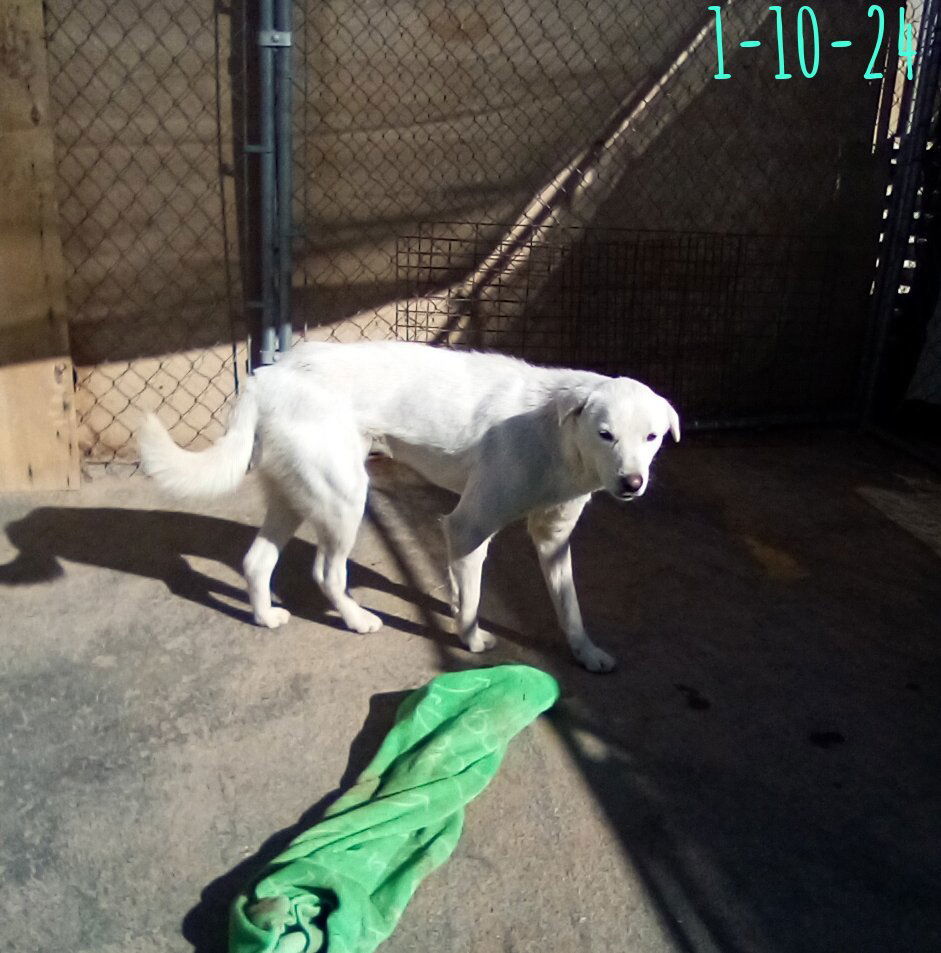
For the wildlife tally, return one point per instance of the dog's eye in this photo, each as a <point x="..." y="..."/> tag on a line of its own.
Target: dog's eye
<point x="651" y="436"/>
<point x="606" y="435"/>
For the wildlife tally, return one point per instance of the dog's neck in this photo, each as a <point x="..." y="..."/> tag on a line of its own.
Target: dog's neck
<point x="584" y="479"/>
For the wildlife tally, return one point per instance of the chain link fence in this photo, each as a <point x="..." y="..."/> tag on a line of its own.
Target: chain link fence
<point x="561" y="179"/>
<point x="567" y="181"/>
<point x="142" y="97"/>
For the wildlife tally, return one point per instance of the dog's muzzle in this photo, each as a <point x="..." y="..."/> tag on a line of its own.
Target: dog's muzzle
<point x="630" y="486"/>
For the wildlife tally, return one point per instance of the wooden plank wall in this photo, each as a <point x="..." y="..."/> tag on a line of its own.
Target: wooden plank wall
<point x="37" y="416"/>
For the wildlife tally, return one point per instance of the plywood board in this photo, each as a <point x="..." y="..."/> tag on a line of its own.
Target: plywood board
<point x="37" y="417"/>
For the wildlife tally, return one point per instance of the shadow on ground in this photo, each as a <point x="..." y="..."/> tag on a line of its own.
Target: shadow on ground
<point x="206" y="925"/>
<point x="767" y="753"/>
<point x="156" y="543"/>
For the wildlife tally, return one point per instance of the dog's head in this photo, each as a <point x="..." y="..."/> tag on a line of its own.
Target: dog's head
<point x="619" y="427"/>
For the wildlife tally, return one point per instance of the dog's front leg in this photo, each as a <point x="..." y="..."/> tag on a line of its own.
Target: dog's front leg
<point x="467" y="550"/>
<point x="551" y="531"/>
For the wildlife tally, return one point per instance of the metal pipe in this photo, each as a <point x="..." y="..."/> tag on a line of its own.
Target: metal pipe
<point x="267" y="157"/>
<point x="284" y="159"/>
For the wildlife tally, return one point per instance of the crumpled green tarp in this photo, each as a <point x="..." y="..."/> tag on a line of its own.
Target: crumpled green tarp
<point x="342" y="885"/>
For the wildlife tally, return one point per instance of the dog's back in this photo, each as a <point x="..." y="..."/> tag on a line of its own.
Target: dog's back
<point x="420" y="394"/>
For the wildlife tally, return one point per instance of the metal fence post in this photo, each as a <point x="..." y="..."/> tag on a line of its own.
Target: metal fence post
<point x="285" y="158"/>
<point x="267" y="197"/>
<point x="274" y="149"/>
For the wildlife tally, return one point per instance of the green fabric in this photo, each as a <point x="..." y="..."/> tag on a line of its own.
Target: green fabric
<point x="343" y="884"/>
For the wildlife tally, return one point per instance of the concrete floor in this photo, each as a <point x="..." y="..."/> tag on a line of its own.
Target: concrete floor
<point x="763" y="772"/>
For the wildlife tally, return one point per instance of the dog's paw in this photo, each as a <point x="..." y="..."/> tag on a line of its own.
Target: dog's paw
<point x="363" y="621"/>
<point x="273" y="618"/>
<point x="592" y="658"/>
<point x="480" y="642"/>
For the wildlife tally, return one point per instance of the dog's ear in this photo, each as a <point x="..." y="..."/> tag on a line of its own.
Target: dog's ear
<point x="674" y="419"/>
<point x="570" y="402"/>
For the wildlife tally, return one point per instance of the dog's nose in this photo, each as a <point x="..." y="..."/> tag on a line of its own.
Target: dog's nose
<point x="631" y="483"/>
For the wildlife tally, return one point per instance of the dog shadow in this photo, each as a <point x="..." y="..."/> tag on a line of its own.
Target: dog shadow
<point x="156" y="543"/>
<point x="206" y="924"/>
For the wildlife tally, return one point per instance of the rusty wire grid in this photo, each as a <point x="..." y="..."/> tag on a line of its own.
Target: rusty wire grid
<point x="734" y="327"/>
<point x="141" y="97"/>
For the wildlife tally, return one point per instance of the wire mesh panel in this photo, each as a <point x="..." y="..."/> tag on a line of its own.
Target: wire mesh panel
<point x="511" y="314"/>
<point x="733" y="327"/>
<point x="141" y="96"/>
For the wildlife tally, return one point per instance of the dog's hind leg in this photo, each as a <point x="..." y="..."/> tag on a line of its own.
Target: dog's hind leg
<point x="336" y="502"/>
<point x="322" y="466"/>
<point x="551" y="531"/>
<point x="280" y="524"/>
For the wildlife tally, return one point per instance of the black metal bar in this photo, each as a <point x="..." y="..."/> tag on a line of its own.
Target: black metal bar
<point x="902" y="206"/>
<point x="268" y="184"/>
<point x="283" y="151"/>
<point x="768" y="422"/>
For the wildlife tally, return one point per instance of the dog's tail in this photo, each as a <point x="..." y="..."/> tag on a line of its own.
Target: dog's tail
<point x="212" y="472"/>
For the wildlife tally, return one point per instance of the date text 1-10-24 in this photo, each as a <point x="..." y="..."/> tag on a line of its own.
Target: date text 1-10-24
<point x="808" y="42"/>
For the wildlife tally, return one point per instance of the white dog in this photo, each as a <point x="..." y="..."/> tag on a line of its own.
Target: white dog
<point x="513" y="440"/>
